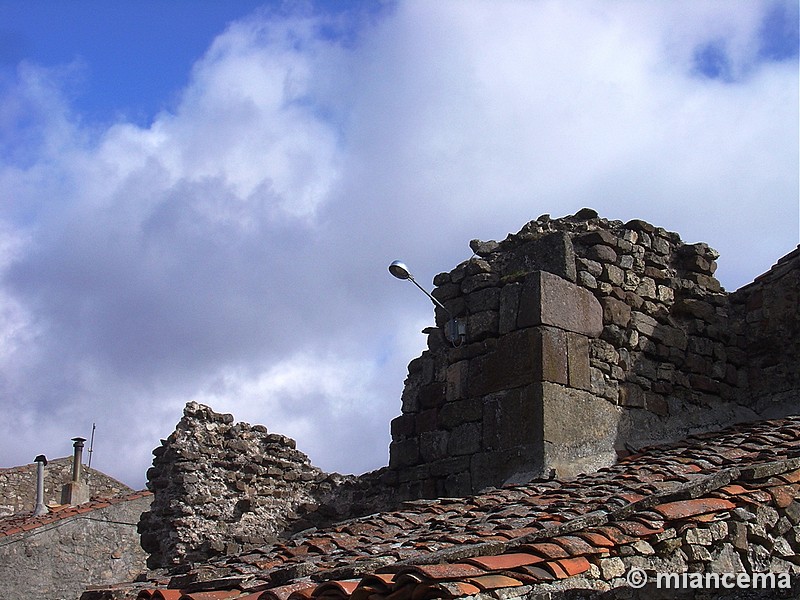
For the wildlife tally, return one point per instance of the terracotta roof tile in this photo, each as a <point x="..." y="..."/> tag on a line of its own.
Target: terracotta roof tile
<point x="500" y="562"/>
<point x="556" y="569"/>
<point x="494" y="581"/>
<point x="614" y="534"/>
<point x="637" y="529"/>
<point x="537" y="573"/>
<point x="166" y="594"/>
<point x="784" y="495"/>
<point x="733" y="490"/>
<point x="302" y="593"/>
<point x="688" y="508"/>
<point x="215" y="595"/>
<point x="27" y="521"/>
<point x="337" y="589"/>
<point x="446" y="571"/>
<point x="546" y="550"/>
<point x="443" y="589"/>
<point x="596" y="539"/>
<point x="284" y="591"/>
<point x="574" y="545"/>
<point x="792" y="477"/>
<point x="574" y="566"/>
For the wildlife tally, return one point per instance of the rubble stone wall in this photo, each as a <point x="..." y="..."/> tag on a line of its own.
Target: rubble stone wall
<point x="222" y="487"/>
<point x="586" y="339"/>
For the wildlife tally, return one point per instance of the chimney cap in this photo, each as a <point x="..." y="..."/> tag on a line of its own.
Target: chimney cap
<point x="78" y="439"/>
<point x="41" y="458"/>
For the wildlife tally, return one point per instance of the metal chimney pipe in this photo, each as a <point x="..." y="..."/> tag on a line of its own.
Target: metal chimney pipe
<point x="40" y="508"/>
<point x="77" y="458"/>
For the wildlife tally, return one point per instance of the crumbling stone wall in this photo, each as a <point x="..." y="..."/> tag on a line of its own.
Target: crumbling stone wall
<point x="587" y="338"/>
<point x="222" y="487"/>
<point x="18" y="485"/>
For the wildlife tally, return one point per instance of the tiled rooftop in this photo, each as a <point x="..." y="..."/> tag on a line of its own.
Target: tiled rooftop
<point x="505" y="542"/>
<point x="27" y="521"/>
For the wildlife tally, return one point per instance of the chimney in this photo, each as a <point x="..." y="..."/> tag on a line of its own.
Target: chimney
<point x="40" y="508"/>
<point x="75" y="492"/>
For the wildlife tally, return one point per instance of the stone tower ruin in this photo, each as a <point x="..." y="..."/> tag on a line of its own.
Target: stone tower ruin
<point x="586" y="339"/>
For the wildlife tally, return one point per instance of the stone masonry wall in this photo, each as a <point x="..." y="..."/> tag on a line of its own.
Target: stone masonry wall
<point x="18" y="485"/>
<point x="58" y="561"/>
<point x="222" y="487"/>
<point x="586" y="339"/>
<point x="767" y="311"/>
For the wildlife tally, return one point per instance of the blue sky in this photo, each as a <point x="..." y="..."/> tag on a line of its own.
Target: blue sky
<point x="133" y="58"/>
<point x="200" y="199"/>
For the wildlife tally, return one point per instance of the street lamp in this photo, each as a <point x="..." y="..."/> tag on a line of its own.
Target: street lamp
<point x="455" y="331"/>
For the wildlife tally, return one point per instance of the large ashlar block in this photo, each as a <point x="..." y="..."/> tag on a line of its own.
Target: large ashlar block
<point x="578" y="430"/>
<point x="544" y="428"/>
<point x="548" y="299"/>
<point x="530" y="355"/>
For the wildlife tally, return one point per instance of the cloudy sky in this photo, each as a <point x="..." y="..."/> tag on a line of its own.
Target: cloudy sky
<point x="199" y="199"/>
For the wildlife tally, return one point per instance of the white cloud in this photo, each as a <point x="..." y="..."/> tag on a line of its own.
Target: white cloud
<point x="234" y="251"/>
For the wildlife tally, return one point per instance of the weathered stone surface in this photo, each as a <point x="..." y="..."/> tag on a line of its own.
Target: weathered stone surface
<point x="464" y="439"/>
<point x="551" y="348"/>
<point x="578" y="429"/>
<point x="550" y="300"/>
<point x="615" y="312"/>
<point x="512" y="419"/>
<point x="511" y="364"/>
<point x="579" y="375"/>
<point x="509" y="307"/>
<point x="61" y="560"/>
<point x="553" y="253"/>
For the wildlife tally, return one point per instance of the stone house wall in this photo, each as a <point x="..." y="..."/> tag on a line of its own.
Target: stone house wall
<point x="61" y="559"/>
<point x="587" y="339"/>
<point x="18" y="485"/>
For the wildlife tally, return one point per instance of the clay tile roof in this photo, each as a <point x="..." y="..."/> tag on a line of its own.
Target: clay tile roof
<point x="27" y="521"/>
<point x="523" y="535"/>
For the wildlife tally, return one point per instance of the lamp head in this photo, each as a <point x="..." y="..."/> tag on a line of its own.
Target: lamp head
<point x="399" y="270"/>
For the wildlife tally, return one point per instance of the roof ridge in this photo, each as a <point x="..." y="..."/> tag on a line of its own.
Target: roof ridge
<point x="27" y="521"/>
